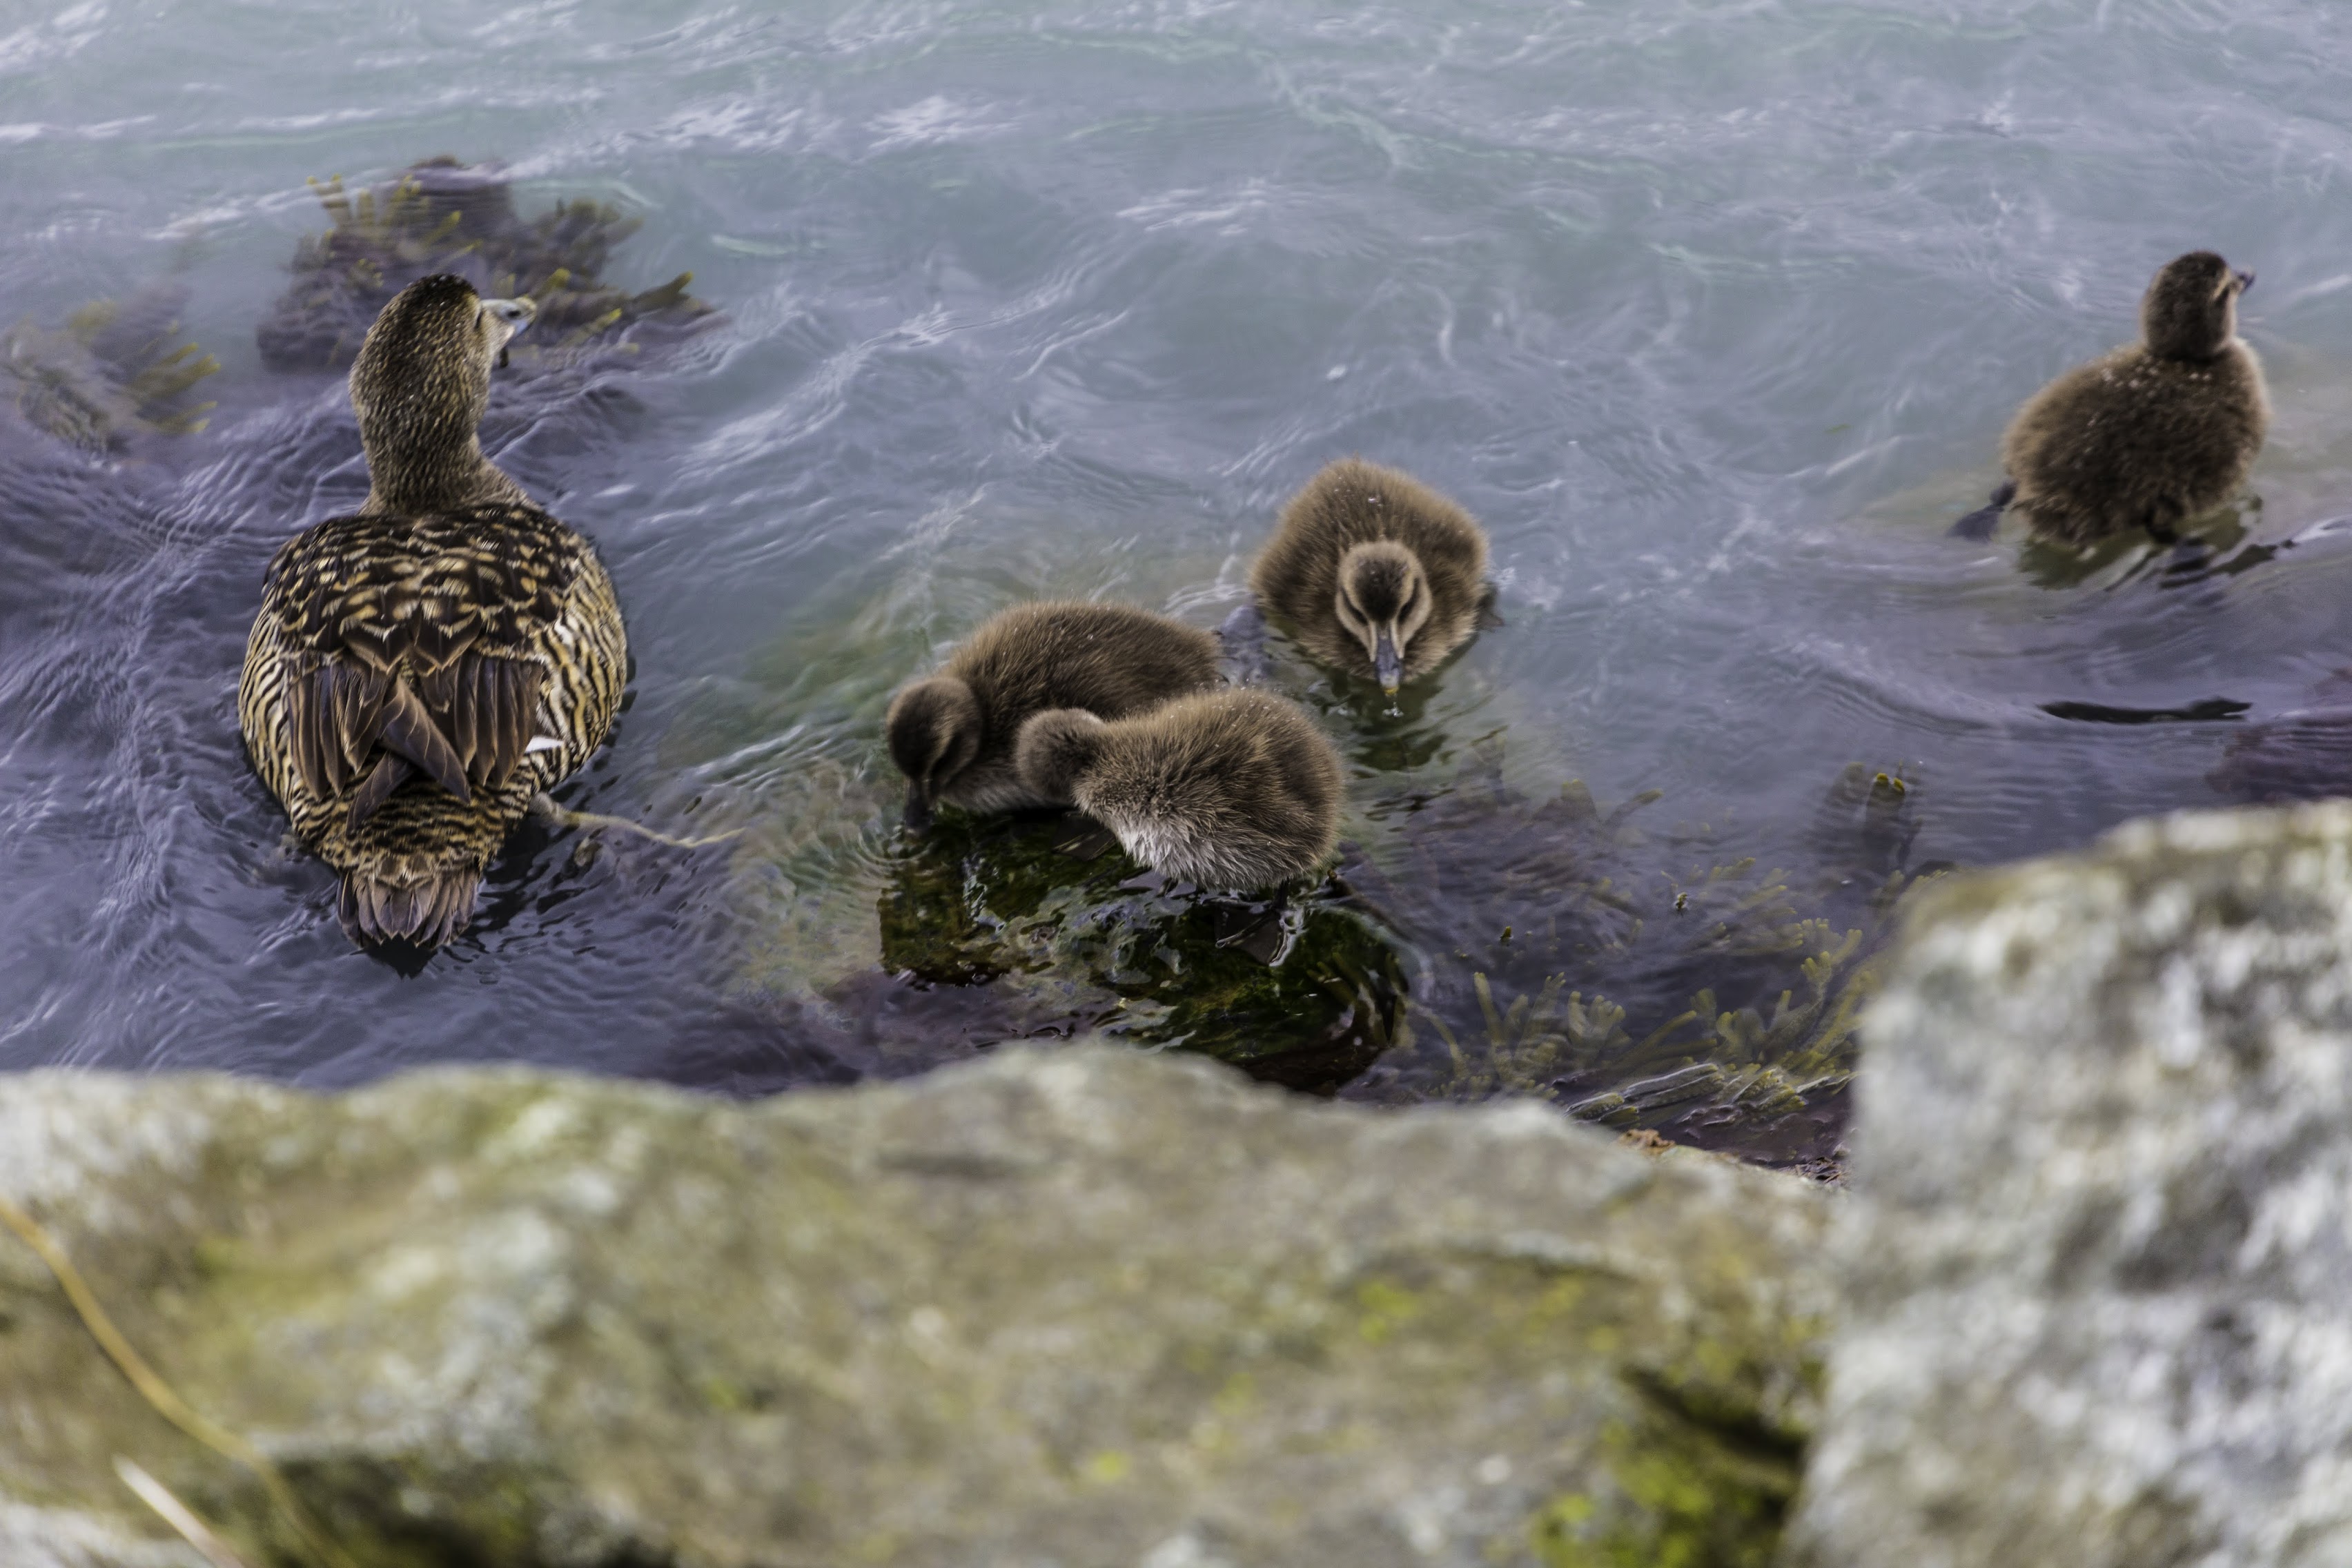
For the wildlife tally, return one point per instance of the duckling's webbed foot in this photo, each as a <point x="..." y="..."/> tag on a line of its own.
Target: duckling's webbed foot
<point x="1266" y="930"/>
<point x="1980" y="523"/>
<point x="1243" y="636"/>
<point x="1086" y="839"/>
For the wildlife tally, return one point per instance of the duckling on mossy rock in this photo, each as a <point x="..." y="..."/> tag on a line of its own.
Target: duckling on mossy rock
<point x="1234" y="789"/>
<point x="951" y="734"/>
<point x="2150" y="435"/>
<point x="423" y="667"/>
<point x="1376" y="573"/>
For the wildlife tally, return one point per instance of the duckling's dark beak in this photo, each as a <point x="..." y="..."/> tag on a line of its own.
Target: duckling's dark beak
<point x="918" y="810"/>
<point x="2245" y="280"/>
<point x="1388" y="664"/>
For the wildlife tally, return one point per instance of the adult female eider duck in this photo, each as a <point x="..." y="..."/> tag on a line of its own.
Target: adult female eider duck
<point x="2149" y="436"/>
<point x="952" y="733"/>
<point x="1375" y="573"/>
<point x="425" y="666"/>
<point x="1234" y="789"/>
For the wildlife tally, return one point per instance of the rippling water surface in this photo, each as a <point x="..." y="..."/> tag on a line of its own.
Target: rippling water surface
<point x="1712" y="312"/>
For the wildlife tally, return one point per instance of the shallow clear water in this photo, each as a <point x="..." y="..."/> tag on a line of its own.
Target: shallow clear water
<point x="1712" y="312"/>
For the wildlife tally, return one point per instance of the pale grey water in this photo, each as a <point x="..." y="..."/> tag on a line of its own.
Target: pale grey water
<point x="1712" y="312"/>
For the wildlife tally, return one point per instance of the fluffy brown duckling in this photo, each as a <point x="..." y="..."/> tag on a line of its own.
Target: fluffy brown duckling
<point x="1233" y="789"/>
<point x="2149" y="436"/>
<point x="1375" y="573"/>
<point x="423" y="667"/>
<point x="952" y="733"/>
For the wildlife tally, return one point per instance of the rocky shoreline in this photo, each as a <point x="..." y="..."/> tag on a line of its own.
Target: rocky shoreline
<point x="1092" y="1305"/>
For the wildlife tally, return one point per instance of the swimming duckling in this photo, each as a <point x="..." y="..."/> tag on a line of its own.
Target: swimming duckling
<point x="1234" y="789"/>
<point x="2149" y="436"/>
<point x="1375" y="572"/>
<point x="423" y="667"/>
<point x="952" y="733"/>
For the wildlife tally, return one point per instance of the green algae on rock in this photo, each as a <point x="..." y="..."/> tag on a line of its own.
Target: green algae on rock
<point x="1302" y="993"/>
<point x="441" y="216"/>
<point x="1085" y="1305"/>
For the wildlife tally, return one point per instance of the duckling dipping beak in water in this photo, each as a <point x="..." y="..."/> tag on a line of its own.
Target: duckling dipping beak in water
<point x="501" y="320"/>
<point x="1383" y="600"/>
<point x="935" y="729"/>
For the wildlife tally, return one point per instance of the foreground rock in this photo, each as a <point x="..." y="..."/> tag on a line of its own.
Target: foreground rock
<point x="2104" y="1241"/>
<point x="1085" y="1307"/>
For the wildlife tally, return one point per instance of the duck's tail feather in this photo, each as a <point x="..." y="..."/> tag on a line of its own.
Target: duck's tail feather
<point x="427" y="912"/>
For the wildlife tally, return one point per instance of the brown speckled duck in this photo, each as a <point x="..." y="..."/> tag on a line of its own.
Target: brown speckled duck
<point x="423" y="666"/>
<point x="2149" y="436"/>
<point x="952" y="733"/>
<point x="1375" y="573"/>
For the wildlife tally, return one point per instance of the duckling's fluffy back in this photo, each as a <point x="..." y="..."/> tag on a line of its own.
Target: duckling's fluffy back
<point x="1110" y="659"/>
<point x="1351" y="502"/>
<point x="2135" y="440"/>
<point x="1232" y="788"/>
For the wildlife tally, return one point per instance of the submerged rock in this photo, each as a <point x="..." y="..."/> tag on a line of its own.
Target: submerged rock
<point x="1659" y="981"/>
<point x="1075" y="935"/>
<point x="2103" y="1236"/>
<point x="1075" y="1306"/>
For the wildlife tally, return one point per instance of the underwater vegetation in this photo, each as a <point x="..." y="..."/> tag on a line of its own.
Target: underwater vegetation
<point x="2303" y="754"/>
<point x="115" y="370"/>
<point x="1662" y="982"/>
<point x="441" y="216"/>
<point x="1051" y="914"/>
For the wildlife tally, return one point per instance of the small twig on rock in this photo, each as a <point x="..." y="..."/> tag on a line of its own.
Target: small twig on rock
<point x="178" y="1515"/>
<point x="159" y="1393"/>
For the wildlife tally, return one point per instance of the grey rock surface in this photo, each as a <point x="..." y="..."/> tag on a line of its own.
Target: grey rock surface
<point x="2100" y="1247"/>
<point x="1072" y="1306"/>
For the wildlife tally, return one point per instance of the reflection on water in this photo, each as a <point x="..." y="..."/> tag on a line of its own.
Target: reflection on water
<point x="1713" y="317"/>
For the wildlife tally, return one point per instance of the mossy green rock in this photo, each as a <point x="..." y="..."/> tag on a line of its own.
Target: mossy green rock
<point x="1087" y="1306"/>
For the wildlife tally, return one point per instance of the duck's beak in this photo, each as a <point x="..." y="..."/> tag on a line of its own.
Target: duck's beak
<point x="918" y="810"/>
<point x="1388" y="663"/>
<point x="2245" y="280"/>
<point x="516" y="315"/>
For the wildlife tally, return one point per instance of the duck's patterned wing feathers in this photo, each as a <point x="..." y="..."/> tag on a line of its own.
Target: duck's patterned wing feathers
<point x="414" y="645"/>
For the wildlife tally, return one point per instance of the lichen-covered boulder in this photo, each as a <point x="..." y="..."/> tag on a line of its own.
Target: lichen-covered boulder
<point x="2101" y="1254"/>
<point x="1079" y="1307"/>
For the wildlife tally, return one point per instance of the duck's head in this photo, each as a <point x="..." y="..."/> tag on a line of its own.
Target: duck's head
<point x="2190" y="312"/>
<point x="934" y="730"/>
<point x="423" y="379"/>
<point x="1053" y="748"/>
<point x="1382" y="599"/>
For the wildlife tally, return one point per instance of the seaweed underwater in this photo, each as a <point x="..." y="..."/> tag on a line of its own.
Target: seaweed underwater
<point x="114" y="373"/>
<point x="442" y="216"/>
<point x="1662" y="983"/>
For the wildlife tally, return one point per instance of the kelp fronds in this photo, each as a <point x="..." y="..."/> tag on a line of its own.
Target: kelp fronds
<point x="441" y="216"/>
<point x="115" y="370"/>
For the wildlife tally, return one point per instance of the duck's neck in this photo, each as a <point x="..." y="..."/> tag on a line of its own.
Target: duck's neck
<point x="413" y="482"/>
